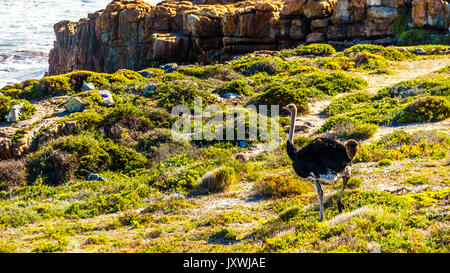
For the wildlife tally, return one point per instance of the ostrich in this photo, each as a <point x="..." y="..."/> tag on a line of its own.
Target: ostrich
<point x="322" y="160"/>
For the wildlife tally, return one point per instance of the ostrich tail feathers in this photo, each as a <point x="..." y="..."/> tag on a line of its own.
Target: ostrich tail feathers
<point x="351" y="147"/>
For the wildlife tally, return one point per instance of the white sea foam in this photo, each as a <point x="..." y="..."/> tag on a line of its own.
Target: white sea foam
<point x="27" y="35"/>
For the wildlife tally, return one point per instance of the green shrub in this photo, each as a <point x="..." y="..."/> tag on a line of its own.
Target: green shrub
<point x="385" y="162"/>
<point x="284" y="94"/>
<point x="400" y="25"/>
<point x="354" y="182"/>
<point x="315" y="49"/>
<point x="346" y="103"/>
<point x="388" y="53"/>
<point x="303" y="69"/>
<point x="417" y="179"/>
<point x="420" y="36"/>
<point x="338" y="63"/>
<point x="223" y="234"/>
<point x="97" y="155"/>
<point x="73" y="81"/>
<point x="198" y="71"/>
<point x="134" y="219"/>
<point x="52" y="168"/>
<point x="369" y="61"/>
<point x="103" y="204"/>
<point x="281" y="186"/>
<point x="333" y="83"/>
<point x="172" y="93"/>
<point x="12" y="174"/>
<point x="218" y="180"/>
<point x="399" y="145"/>
<point x="237" y="86"/>
<point x="289" y="213"/>
<point x="431" y="108"/>
<point x="302" y="141"/>
<point x="159" y="145"/>
<point x="253" y="65"/>
<point x="355" y="131"/>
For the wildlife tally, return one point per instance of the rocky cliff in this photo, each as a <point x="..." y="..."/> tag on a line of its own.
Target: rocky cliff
<point x="134" y="34"/>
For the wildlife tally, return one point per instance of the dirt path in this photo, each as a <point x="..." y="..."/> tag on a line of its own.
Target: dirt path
<point x="308" y="124"/>
<point x="404" y="71"/>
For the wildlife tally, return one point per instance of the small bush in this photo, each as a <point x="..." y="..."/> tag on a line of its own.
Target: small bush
<point x="237" y="86"/>
<point x="172" y="93"/>
<point x="354" y="182"/>
<point x="315" y="49"/>
<point x="95" y="155"/>
<point x="333" y="83"/>
<point x="289" y="213"/>
<point x="281" y="186"/>
<point x="218" y="180"/>
<point x="53" y="167"/>
<point x="160" y="145"/>
<point x="369" y="61"/>
<point x="198" y="71"/>
<point x="431" y="108"/>
<point x="355" y="131"/>
<point x="420" y="36"/>
<point x="284" y="94"/>
<point x="223" y="234"/>
<point x="253" y="65"/>
<point x="346" y="103"/>
<point x="103" y="204"/>
<point x="385" y="162"/>
<point x="388" y="53"/>
<point x="12" y="174"/>
<point x="302" y="141"/>
<point x="417" y="179"/>
<point x="338" y="63"/>
<point x="133" y="219"/>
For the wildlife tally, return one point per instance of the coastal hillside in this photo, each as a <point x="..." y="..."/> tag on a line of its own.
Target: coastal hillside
<point x="89" y="161"/>
<point x="136" y="35"/>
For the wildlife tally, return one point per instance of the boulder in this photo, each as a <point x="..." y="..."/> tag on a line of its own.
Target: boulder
<point x="316" y="9"/>
<point x="74" y="105"/>
<point x="95" y="177"/>
<point x="315" y="38"/>
<point x="169" y="68"/>
<point x="15" y="112"/>
<point x="87" y="86"/>
<point x="107" y="98"/>
<point x="349" y="11"/>
<point x="149" y="89"/>
<point x="230" y="95"/>
<point x="294" y="8"/>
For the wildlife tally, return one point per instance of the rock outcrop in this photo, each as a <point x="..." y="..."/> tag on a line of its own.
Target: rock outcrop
<point x="135" y="35"/>
<point x="431" y="13"/>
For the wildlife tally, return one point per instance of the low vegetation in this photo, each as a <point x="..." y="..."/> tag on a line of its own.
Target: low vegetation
<point x="151" y="189"/>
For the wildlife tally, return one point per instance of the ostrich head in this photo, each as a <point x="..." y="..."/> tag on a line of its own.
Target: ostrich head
<point x="290" y="108"/>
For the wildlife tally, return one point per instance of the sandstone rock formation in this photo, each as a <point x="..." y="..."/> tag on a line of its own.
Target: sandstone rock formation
<point x="135" y="35"/>
<point x="431" y="13"/>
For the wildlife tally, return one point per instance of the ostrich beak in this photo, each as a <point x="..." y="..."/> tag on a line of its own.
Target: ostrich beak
<point x="285" y="108"/>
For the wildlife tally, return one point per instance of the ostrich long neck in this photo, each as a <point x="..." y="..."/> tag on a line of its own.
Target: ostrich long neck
<point x="292" y="128"/>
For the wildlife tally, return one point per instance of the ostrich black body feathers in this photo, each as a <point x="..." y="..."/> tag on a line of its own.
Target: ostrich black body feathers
<point x="320" y="157"/>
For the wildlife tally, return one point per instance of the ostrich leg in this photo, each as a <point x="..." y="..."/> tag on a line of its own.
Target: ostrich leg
<point x="347" y="174"/>
<point x="320" y="192"/>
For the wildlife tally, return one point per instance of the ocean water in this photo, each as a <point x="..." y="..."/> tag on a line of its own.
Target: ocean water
<point x="27" y="36"/>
